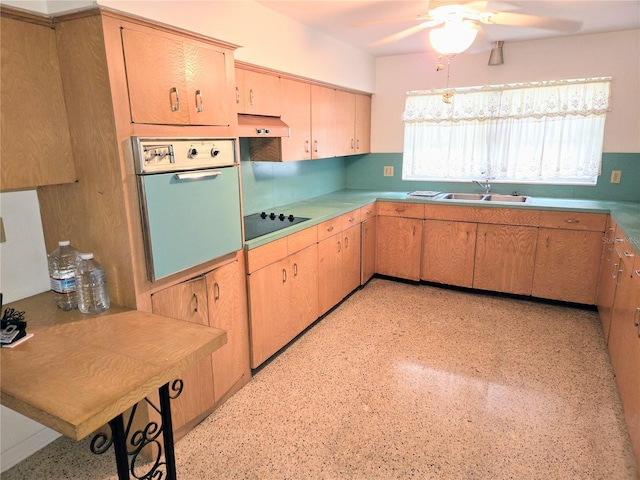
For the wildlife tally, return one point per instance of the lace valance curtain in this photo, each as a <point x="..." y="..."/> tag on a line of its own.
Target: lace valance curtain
<point x="549" y="132"/>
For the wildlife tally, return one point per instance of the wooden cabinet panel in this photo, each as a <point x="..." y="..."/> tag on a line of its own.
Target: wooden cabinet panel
<point x="400" y="209"/>
<point x="264" y="255"/>
<point x="345" y="123"/>
<point x="188" y="301"/>
<point x="330" y="227"/>
<point x="607" y="278"/>
<point x="504" y="216"/>
<point x="304" y="288"/>
<point x="34" y="137"/>
<point x="571" y="257"/>
<point x="368" y="211"/>
<point x="258" y="93"/>
<point x="296" y="112"/>
<point x="573" y="220"/>
<point x="363" y="123"/>
<point x="351" y="241"/>
<point x="269" y="310"/>
<point x="323" y="105"/>
<point x="228" y="311"/>
<point x="369" y="234"/>
<point x="191" y="89"/>
<point x="329" y="273"/>
<point x="448" y="253"/>
<point x="505" y="257"/>
<point x="398" y="247"/>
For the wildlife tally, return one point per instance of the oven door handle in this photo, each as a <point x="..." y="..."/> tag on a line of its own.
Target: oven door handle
<point x="198" y="175"/>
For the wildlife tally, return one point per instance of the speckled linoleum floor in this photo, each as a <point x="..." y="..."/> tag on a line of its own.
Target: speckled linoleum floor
<point x="405" y="381"/>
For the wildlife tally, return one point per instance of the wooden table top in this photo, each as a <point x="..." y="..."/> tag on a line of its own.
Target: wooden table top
<point x="79" y="371"/>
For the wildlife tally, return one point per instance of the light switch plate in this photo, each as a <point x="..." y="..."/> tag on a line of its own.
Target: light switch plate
<point x="388" y="171"/>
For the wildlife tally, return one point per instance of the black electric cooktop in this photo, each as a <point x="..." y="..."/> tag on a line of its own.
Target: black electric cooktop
<point x="263" y="223"/>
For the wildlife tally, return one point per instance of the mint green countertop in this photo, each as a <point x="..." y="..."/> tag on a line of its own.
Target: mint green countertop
<point x="325" y="207"/>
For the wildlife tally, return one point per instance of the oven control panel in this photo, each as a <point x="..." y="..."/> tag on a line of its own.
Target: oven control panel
<point x="177" y="155"/>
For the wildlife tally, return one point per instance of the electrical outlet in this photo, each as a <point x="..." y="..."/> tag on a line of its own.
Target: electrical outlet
<point x="615" y="176"/>
<point x="388" y="171"/>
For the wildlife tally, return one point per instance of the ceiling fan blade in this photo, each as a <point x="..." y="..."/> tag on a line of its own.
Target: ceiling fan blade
<point x="417" y="18"/>
<point x="532" y="21"/>
<point x="402" y="34"/>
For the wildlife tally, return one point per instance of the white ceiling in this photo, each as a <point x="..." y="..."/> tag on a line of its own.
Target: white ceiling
<point x="337" y="19"/>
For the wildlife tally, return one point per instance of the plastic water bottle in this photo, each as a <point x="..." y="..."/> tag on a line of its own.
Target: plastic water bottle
<point x="62" y="274"/>
<point x="93" y="296"/>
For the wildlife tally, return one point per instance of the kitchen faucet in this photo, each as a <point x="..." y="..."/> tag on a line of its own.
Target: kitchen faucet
<point x="486" y="185"/>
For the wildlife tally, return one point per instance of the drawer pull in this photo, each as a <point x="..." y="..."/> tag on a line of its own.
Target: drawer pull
<point x="284" y="275"/>
<point x="351" y="219"/>
<point x="330" y="228"/>
<point x="195" y="299"/>
<point x="295" y="269"/>
<point x="199" y="103"/>
<point x="339" y="246"/>
<point x="618" y="277"/>
<point x="627" y="254"/>
<point x="400" y="209"/>
<point x="216" y="292"/>
<point x="618" y="240"/>
<point x="573" y="220"/>
<point x="635" y="318"/>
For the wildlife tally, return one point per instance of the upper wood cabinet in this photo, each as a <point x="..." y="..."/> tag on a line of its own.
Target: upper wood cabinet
<point x="34" y="138"/>
<point x="323" y="105"/>
<point x="258" y="93"/>
<point x="363" y="123"/>
<point x="175" y="81"/>
<point x="352" y="123"/>
<point x="296" y="112"/>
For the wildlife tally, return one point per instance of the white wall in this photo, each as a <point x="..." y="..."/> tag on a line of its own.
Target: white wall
<point x="611" y="54"/>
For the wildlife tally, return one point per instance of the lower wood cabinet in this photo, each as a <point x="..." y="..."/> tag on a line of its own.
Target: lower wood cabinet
<point x="217" y="299"/>
<point x="369" y="234"/>
<point x="448" y="252"/>
<point x="505" y="258"/>
<point x="607" y="277"/>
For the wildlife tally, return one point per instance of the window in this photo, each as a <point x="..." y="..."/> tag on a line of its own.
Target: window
<point x="542" y="132"/>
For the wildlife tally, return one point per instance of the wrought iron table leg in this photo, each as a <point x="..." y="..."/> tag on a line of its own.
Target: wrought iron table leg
<point x="167" y="432"/>
<point x="119" y="439"/>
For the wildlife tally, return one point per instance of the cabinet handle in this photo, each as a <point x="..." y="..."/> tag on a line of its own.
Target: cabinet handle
<point x="330" y="228"/>
<point x="199" y="104"/>
<point x="635" y="319"/>
<point x="346" y="242"/>
<point x="195" y="299"/>
<point x="237" y="95"/>
<point x="368" y="212"/>
<point x="638" y="273"/>
<point x="284" y="275"/>
<point x="358" y="145"/>
<point x="572" y="220"/>
<point x="174" y="99"/>
<point x="352" y="144"/>
<point x="614" y="274"/>
<point x="414" y="230"/>
<point x="547" y="241"/>
<point x="251" y="96"/>
<point x="306" y="146"/>
<point x="352" y="219"/>
<point x="620" y="272"/>
<point x="618" y="240"/>
<point x="295" y="269"/>
<point x="339" y="246"/>
<point x="315" y="146"/>
<point x="400" y="209"/>
<point x="628" y="254"/>
<point x="216" y="291"/>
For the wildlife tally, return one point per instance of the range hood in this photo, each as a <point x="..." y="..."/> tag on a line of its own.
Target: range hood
<point x="252" y="126"/>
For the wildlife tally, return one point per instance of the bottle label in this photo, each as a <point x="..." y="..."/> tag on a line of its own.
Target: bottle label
<point x="63" y="285"/>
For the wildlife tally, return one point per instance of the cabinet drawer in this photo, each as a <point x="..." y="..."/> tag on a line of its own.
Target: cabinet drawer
<point x="299" y="240"/>
<point x="573" y="220"/>
<point x="267" y="254"/>
<point x="504" y="216"/>
<point x="400" y="209"/>
<point x="624" y="248"/>
<point x="368" y="211"/>
<point x="350" y="219"/>
<point x="330" y="227"/>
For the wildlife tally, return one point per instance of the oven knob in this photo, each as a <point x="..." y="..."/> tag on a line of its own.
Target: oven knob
<point x="214" y="152"/>
<point x="281" y="217"/>
<point x="193" y="153"/>
<point x="291" y="218"/>
<point x="272" y="216"/>
<point x="263" y="215"/>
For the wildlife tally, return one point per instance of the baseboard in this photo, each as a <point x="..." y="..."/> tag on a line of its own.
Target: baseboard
<point x="15" y="454"/>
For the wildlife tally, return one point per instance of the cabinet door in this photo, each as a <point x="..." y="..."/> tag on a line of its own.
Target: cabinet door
<point x="228" y="311"/>
<point x="505" y="257"/>
<point x="156" y="78"/>
<point x="607" y="277"/>
<point x="323" y="104"/>
<point x="258" y="93"/>
<point x="345" y="123"/>
<point x="351" y="239"/>
<point x="188" y="301"/>
<point x="296" y="112"/>
<point x="571" y="258"/>
<point x="368" y="249"/>
<point x="363" y="123"/>
<point x="448" y="252"/>
<point x="34" y="137"/>
<point x="269" y="310"/>
<point x="398" y="247"/>
<point x="207" y="101"/>
<point x="329" y="273"/>
<point x="624" y="347"/>
<point x="304" y="288"/>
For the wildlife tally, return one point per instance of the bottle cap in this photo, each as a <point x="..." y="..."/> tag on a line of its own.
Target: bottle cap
<point x="86" y="256"/>
<point x="64" y="243"/>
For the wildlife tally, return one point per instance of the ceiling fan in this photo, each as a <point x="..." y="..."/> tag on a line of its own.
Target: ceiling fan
<point x="454" y="25"/>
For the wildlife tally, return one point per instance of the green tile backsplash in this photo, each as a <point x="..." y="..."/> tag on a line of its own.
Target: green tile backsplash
<point x="365" y="172"/>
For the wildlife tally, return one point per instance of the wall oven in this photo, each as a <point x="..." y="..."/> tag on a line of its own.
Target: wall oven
<point x="189" y="194"/>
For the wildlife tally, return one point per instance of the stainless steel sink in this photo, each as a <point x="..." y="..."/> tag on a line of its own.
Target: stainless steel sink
<point x="482" y="197"/>
<point x="507" y="198"/>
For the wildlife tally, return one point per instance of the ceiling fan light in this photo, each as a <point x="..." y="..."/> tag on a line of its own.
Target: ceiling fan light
<point x="453" y="38"/>
<point x="496" y="57"/>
